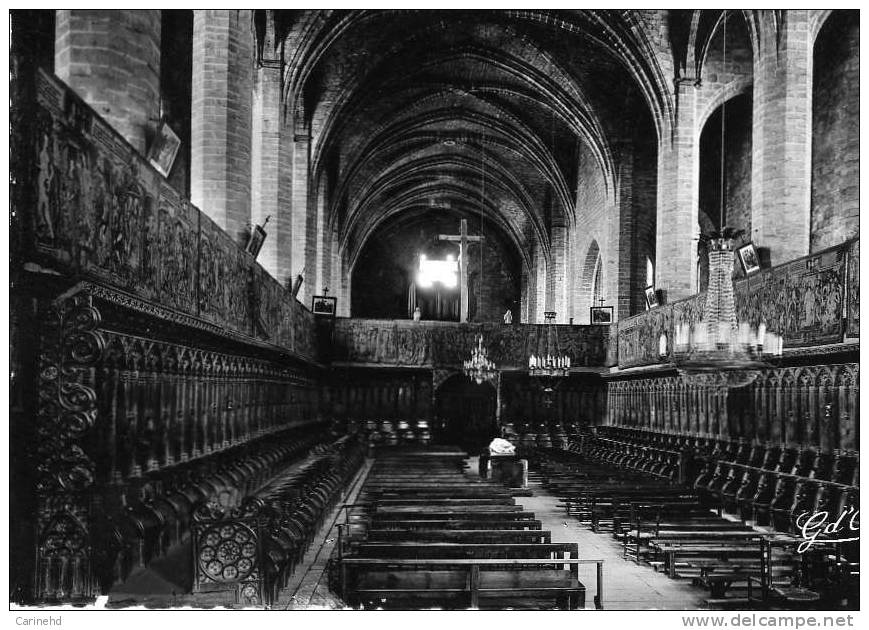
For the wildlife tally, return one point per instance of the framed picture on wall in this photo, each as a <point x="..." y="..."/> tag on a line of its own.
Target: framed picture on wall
<point x="255" y="242"/>
<point x="164" y="149"/>
<point x="323" y="305"/>
<point x="651" y="297"/>
<point x="749" y="258"/>
<point x="601" y="315"/>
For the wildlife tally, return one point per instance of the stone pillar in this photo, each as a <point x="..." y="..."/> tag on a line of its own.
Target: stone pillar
<point x="300" y="227"/>
<point x="782" y="128"/>
<point x="678" y="199"/>
<point x="558" y="280"/>
<point x="320" y="240"/>
<point x="223" y="71"/>
<point x="540" y="272"/>
<point x="265" y="150"/>
<point x="112" y="60"/>
<point x="282" y="230"/>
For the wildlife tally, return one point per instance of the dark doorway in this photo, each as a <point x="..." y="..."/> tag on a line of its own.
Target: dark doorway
<point x="467" y="413"/>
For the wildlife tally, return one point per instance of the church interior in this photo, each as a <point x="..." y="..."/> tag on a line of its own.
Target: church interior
<point x="411" y="309"/>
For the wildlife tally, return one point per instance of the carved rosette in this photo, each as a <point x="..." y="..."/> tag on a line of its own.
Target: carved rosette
<point x="70" y="348"/>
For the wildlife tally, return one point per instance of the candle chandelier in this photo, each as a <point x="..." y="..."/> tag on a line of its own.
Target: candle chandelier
<point x="551" y="367"/>
<point x="479" y="367"/>
<point x="719" y="351"/>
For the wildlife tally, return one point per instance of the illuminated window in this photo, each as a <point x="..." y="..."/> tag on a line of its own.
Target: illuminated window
<point x="444" y="272"/>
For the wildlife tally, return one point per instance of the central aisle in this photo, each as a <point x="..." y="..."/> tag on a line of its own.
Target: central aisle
<point x="627" y="586"/>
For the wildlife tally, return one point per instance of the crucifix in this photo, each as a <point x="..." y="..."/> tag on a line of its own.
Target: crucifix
<point x="464" y="240"/>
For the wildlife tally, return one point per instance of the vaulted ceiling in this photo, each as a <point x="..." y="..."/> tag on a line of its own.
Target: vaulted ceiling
<point x="475" y="111"/>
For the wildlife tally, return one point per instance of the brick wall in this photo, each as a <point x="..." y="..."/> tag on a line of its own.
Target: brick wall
<point x="112" y="59"/>
<point x="223" y="71"/>
<point x="836" y="131"/>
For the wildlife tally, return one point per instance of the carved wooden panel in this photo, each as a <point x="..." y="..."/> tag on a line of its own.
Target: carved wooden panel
<point x="71" y="346"/>
<point x="803" y="405"/>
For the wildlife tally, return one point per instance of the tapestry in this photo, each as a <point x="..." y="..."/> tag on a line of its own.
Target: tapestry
<point x="803" y="300"/>
<point x="102" y="211"/>
<point x="431" y="344"/>
<point x="853" y="290"/>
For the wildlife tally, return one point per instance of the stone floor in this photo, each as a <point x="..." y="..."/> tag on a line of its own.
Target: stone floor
<point x="308" y="588"/>
<point x="627" y="586"/>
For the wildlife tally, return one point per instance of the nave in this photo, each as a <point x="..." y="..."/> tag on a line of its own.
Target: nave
<point x="264" y="259"/>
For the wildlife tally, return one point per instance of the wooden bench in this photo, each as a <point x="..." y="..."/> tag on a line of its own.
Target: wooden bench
<point x="465" y="524"/>
<point x="423" y="550"/>
<point x="460" y="535"/>
<point x="395" y="582"/>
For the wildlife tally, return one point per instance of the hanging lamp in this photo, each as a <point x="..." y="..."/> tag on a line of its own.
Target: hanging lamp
<point x="479" y="367"/>
<point x="719" y="351"/>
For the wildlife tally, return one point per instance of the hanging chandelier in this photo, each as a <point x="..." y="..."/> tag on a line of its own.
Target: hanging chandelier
<point x="479" y="367"/>
<point x="553" y="364"/>
<point x="719" y="351"/>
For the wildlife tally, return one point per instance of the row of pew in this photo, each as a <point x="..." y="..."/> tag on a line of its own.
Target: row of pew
<point x="616" y="484"/>
<point x="251" y="551"/>
<point x="422" y="534"/>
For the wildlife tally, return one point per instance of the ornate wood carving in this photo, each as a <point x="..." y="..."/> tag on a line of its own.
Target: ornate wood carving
<point x="802" y="405"/>
<point x="71" y="348"/>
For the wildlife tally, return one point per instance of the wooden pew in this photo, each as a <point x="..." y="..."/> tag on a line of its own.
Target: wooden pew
<point x="489" y="536"/>
<point x="415" y="541"/>
<point x="411" y="584"/>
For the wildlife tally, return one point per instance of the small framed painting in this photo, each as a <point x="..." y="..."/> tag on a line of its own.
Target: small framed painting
<point x="601" y="315"/>
<point x="323" y="305"/>
<point x="255" y="242"/>
<point x="652" y="297"/>
<point x="749" y="258"/>
<point x="164" y="149"/>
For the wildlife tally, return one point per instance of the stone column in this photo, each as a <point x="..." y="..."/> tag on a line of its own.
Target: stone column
<point x="222" y="95"/>
<point x="300" y="222"/>
<point x="782" y="147"/>
<point x="265" y="150"/>
<point x="678" y="199"/>
<point x="558" y="280"/>
<point x="112" y="60"/>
